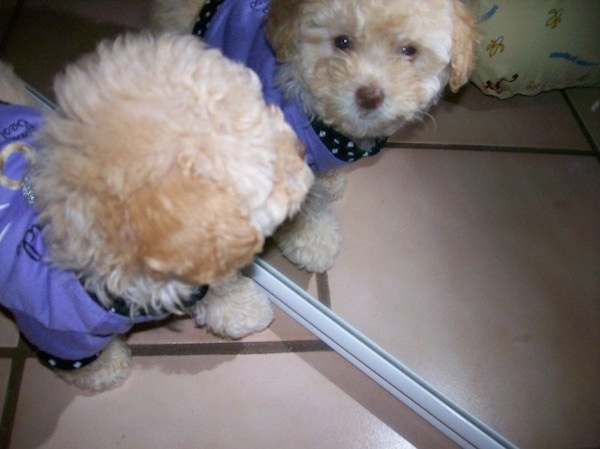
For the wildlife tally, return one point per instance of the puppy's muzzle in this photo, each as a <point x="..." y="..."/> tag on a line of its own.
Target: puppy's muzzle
<point x="369" y="97"/>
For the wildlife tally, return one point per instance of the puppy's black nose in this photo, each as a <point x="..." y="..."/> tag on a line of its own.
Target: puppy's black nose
<point x="369" y="97"/>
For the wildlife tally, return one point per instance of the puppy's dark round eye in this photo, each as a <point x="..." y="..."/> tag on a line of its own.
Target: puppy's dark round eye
<point x="343" y="42"/>
<point x="408" y="50"/>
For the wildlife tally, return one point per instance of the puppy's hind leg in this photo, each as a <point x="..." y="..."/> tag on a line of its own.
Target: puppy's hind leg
<point x="234" y="308"/>
<point x="108" y="371"/>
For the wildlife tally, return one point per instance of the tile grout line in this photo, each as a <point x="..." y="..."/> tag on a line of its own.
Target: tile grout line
<point x="24" y="352"/>
<point x="323" y="289"/>
<point x="490" y="148"/>
<point x="228" y="348"/>
<point x="586" y="133"/>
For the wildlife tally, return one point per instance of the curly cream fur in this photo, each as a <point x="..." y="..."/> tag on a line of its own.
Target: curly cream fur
<point x="157" y="170"/>
<point x="401" y="54"/>
<point x="327" y="80"/>
<point x="162" y="169"/>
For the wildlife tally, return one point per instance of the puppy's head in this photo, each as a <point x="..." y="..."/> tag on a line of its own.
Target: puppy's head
<point x="163" y="159"/>
<point x="367" y="67"/>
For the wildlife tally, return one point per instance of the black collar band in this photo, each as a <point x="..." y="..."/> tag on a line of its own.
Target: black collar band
<point x="341" y="146"/>
<point x="206" y="14"/>
<point x="120" y="306"/>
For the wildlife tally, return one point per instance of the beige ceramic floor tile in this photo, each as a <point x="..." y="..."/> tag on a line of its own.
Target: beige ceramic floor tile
<point x="481" y="272"/>
<point x="9" y="334"/>
<point x="472" y="118"/>
<point x="587" y="104"/>
<point x="272" y="401"/>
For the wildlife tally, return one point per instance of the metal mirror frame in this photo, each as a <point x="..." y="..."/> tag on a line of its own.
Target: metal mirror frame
<point x="374" y="361"/>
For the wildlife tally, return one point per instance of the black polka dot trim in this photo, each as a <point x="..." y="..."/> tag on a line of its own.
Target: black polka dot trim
<point x="207" y="12"/>
<point x="121" y="309"/>
<point x="343" y="148"/>
<point x="63" y="364"/>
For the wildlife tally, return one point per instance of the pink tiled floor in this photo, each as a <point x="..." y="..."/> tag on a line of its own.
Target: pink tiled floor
<point x="489" y="265"/>
<point x="248" y="401"/>
<point x="471" y="252"/>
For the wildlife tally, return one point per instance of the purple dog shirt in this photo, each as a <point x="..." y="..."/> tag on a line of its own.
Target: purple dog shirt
<point x="51" y="308"/>
<point x="237" y="28"/>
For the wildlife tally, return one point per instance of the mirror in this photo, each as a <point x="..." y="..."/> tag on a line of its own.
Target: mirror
<point x="468" y="283"/>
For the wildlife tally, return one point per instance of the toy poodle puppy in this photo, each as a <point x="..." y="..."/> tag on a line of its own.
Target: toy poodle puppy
<point x="156" y="179"/>
<point x="347" y="74"/>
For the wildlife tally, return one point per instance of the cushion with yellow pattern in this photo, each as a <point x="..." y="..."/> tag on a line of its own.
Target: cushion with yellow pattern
<point x="532" y="46"/>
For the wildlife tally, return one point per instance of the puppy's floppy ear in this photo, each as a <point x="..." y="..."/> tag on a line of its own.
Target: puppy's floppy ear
<point x="282" y="27"/>
<point x="192" y="228"/>
<point x="465" y="38"/>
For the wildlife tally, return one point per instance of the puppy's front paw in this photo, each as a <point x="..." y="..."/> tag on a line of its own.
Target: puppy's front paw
<point x="108" y="371"/>
<point x="310" y="241"/>
<point x="234" y="309"/>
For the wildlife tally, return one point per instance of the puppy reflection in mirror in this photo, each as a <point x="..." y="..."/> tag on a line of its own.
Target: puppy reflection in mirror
<point x="347" y="74"/>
